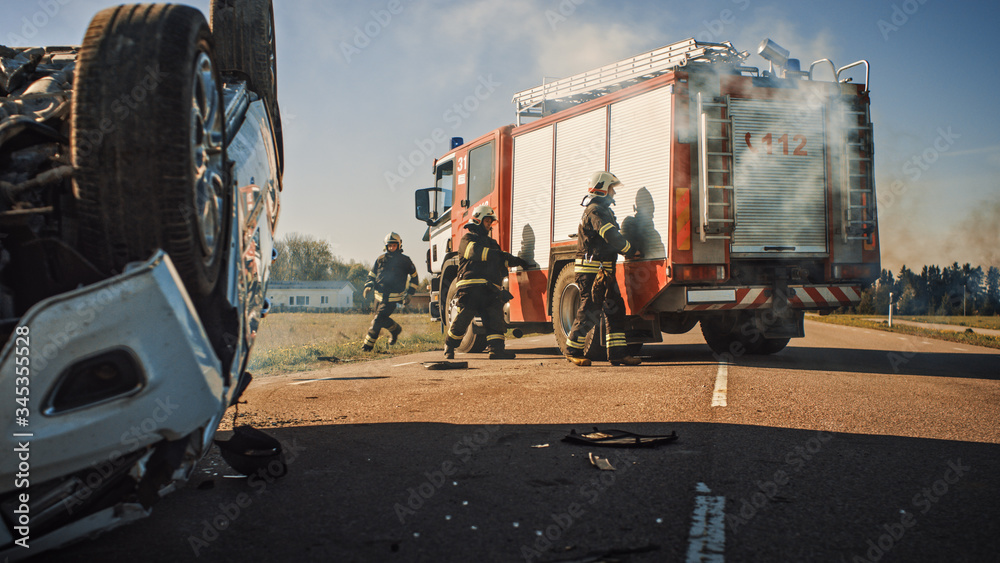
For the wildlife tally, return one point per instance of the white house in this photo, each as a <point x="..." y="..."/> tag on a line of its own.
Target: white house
<point x="292" y="295"/>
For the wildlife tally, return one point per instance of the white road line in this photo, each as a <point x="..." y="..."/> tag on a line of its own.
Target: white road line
<point x="707" y="538"/>
<point x="311" y="380"/>
<point x="721" y="381"/>
<point x="403" y="364"/>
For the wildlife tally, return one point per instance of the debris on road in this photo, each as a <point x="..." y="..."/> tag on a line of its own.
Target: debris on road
<point x="250" y="451"/>
<point x="601" y="463"/>
<point x="619" y="438"/>
<point x="540" y="446"/>
<point x="446" y="365"/>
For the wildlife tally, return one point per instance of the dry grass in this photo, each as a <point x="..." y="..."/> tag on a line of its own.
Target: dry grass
<point x="973" y="321"/>
<point x="289" y="342"/>
<point x="867" y="321"/>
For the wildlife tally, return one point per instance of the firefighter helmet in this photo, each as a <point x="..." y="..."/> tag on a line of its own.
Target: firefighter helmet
<point x="482" y="212"/>
<point x="600" y="182"/>
<point x="393" y="237"/>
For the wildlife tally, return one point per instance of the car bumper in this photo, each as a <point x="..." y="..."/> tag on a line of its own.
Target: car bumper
<point x="143" y="315"/>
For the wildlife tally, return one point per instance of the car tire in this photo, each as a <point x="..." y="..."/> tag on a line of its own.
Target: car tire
<point x="471" y="342"/>
<point x="245" y="44"/>
<point x="148" y="143"/>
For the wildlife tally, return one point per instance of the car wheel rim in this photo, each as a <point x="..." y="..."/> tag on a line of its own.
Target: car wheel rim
<point x="206" y="155"/>
<point x="452" y="310"/>
<point x="569" y="303"/>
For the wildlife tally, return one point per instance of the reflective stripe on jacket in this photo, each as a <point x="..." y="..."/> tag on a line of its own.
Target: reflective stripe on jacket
<point x="481" y="262"/>
<point x="392" y="277"/>
<point x="599" y="241"/>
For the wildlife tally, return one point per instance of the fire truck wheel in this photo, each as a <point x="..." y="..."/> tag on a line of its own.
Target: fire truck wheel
<point x="773" y="345"/>
<point x="724" y="337"/>
<point x="471" y="342"/>
<point x="565" y="302"/>
<point x="152" y="176"/>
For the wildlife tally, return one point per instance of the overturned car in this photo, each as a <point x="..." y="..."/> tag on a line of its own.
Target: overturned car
<point x="140" y="176"/>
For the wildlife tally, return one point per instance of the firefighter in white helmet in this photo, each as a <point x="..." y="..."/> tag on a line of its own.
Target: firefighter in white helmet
<point x="481" y="269"/>
<point x="393" y="279"/>
<point x="598" y="244"/>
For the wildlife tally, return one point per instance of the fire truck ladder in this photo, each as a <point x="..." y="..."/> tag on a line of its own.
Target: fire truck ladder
<point x="858" y="187"/>
<point x="566" y="92"/>
<point x="715" y="161"/>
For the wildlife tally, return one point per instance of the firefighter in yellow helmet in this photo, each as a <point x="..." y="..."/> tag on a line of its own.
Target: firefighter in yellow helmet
<point x="393" y="279"/>
<point x="598" y="244"/>
<point x="481" y="269"/>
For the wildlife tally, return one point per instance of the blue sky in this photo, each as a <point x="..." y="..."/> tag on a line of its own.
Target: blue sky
<point x="362" y="85"/>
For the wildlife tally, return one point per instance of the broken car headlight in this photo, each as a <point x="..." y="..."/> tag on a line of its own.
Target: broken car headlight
<point x="94" y="380"/>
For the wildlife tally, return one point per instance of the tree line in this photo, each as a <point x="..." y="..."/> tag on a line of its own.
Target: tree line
<point x="952" y="290"/>
<point x="306" y="258"/>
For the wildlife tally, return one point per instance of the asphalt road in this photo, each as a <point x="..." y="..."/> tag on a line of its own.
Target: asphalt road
<point x="849" y="445"/>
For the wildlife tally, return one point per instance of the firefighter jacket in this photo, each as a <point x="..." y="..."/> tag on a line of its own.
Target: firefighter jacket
<point x="481" y="262"/>
<point x="599" y="241"/>
<point x="392" y="277"/>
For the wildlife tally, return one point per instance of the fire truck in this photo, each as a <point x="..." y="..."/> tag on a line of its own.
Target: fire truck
<point x="750" y="194"/>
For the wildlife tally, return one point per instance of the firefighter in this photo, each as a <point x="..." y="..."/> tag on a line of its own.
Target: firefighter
<point x="598" y="244"/>
<point x="481" y="269"/>
<point x="393" y="279"/>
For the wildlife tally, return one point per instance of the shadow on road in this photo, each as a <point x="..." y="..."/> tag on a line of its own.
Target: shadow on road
<point x="444" y="492"/>
<point x="882" y="362"/>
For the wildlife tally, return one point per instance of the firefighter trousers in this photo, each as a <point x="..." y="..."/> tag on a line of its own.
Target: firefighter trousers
<point x="483" y="302"/>
<point x="381" y="320"/>
<point x="600" y="299"/>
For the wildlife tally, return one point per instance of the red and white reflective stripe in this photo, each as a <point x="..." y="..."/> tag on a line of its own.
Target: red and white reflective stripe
<point x="812" y="297"/>
<point x="806" y="297"/>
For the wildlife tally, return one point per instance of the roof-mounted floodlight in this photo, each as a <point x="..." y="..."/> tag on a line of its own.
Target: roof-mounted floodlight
<point x="774" y="53"/>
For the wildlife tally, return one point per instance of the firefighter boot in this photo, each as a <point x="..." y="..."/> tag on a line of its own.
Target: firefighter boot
<point x="449" y="352"/>
<point x="627" y="360"/>
<point x="369" y="343"/>
<point x="578" y="360"/>
<point x="498" y="351"/>
<point x="394" y="333"/>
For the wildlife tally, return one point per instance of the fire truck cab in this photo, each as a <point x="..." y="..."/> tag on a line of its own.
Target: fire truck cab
<point x="749" y="193"/>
